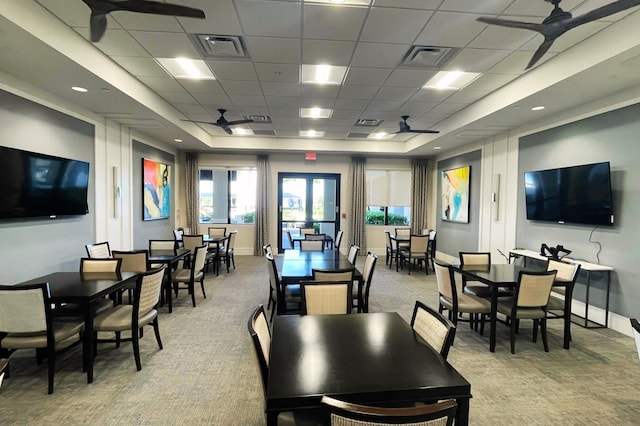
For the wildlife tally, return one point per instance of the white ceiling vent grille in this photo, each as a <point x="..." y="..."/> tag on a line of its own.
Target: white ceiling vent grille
<point x="264" y="133"/>
<point x="369" y="122"/>
<point x="356" y="135"/>
<point x="258" y="118"/>
<point x="428" y="56"/>
<point x="220" y="46"/>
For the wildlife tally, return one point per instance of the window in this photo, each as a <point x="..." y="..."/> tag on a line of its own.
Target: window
<point x="228" y="196"/>
<point x="388" y="197"/>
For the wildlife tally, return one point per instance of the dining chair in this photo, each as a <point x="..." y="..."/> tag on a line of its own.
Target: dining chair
<point x="433" y="327"/>
<point x="306" y="231"/>
<point x="309" y="245"/>
<point x="289" y="293"/>
<point x="4" y="364"/>
<point x="98" y="250"/>
<point x="431" y="249"/>
<point x="132" y="261"/>
<point x="338" y="239"/>
<point x="362" y="300"/>
<point x="455" y="302"/>
<point x="479" y="259"/>
<point x="177" y="236"/>
<point x="227" y="251"/>
<point x="344" y="274"/>
<point x="404" y="234"/>
<point x="391" y="248"/>
<point x="352" y="256"/>
<point x="261" y="339"/>
<point x="326" y="297"/>
<point x="189" y="275"/>
<point x="530" y="299"/>
<point x="26" y="322"/>
<point x="567" y="273"/>
<point x="316" y="237"/>
<point x="169" y="245"/>
<point x="416" y="251"/>
<point x="143" y="311"/>
<point x="290" y="239"/>
<point x="190" y="242"/>
<point x="342" y="413"/>
<point x="217" y="231"/>
<point x="108" y="267"/>
<point x="635" y="327"/>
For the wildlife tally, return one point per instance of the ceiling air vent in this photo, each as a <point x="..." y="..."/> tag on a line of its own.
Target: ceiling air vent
<point x="428" y="56"/>
<point x="355" y="135"/>
<point x="264" y="133"/>
<point x="220" y="46"/>
<point x="258" y="118"/>
<point x="369" y="122"/>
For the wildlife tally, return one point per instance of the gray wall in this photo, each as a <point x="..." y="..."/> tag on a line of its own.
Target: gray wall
<point x="33" y="247"/>
<point x="453" y="237"/>
<point x="607" y="137"/>
<point x="159" y="229"/>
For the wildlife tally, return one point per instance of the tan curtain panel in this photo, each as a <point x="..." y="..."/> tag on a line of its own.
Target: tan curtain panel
<point x="356" y="221"/>
<point x="191" y="194"/>
<point x="263" y="190"/>
<point x="418" y="195"/>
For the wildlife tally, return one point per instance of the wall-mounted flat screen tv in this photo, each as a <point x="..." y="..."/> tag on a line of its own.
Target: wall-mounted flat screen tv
<point x="40" y="185"/>
<point x="579" y="194"/>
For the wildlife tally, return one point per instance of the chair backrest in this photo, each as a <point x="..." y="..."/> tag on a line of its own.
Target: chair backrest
<point x="147" y="293"/>
<point x="565" y="271"/>
<point x="290" y="238"/>
<point x="309" y="245"/>
<point x="326" y="297"/>
<point x="267" y="250"/>
<point x="232" y="240"/>
<point x="261" y="337"/>
<point x="333" y="274"/>
<point x="338" y="239"/>
<point x="24" y="308"/>
<point x="3" y="366"/>
<point x="274" y="278"/>
<point x="199" y="258"/>
<point x="314" y="237"/>
<point x="534" y="288"/>
<point x="100" y="265"/>
<point x="446" y="282"/>
<point x="419" y="243"/>
<point x="132" y="261"/>
<point x="162" y="245"/>
<point x="217" y="232"/>
<point x="178" y="233"/>
<point x="475" y="258"/>
<point x="305" y="231"/>
<point x="433" y="327"/>
<point x="98" y="250"/>
<point x="192" y="241"/>
<point x="367" y="277"/>
<point x="403" y="232"/>
<point x="353" y="254"/>
<point x="635" y="328"/>
<point x="349" y="414"/>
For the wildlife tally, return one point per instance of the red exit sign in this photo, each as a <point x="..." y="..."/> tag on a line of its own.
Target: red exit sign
<point x="310" y="156"/>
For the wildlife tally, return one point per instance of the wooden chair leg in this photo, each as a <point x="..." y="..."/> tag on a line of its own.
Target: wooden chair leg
<point x="156" y="330"/>
<point x="136" y="349"/>
<point x="535" y="331"/>
<point x="514" y="326"/>
<point x="202" y="286"/>
<point x="51" y="365"/>
<point x="193" y="293"/>
<point x="543" y="330"/>
<point x="483" y="318"/>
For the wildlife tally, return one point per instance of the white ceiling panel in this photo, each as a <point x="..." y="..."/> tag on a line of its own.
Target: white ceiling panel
<point x="484" y="6"/>
<point x="230" y="70"/>
<point x="337" y="53"/>
<point x="378" y="55"/>
<point x="119" y="43"/>
<point x="410" y="4"/>
<point x="537" y="8"/>
<point x="166" y="45"/>
<point x="270" y="18"/>
<point x="140" y="67"/>
<point x="409" y="78"/>
<point x="476" y="60"/>
<point x="146" y="22"/>
<point x="326" y="22"/>
<point x="494" y="37"/>
<point x="221" y="18"/>
<point x="281" y="89"/>
<point x="236" y="87"/>
<point x="367" y="76"/>
<point x="274" y="50"/>
<point x="386" y="25"/>
<point x="280" y="73"/>
<point x="440" y="30"/>
<point x="358" y="92"/>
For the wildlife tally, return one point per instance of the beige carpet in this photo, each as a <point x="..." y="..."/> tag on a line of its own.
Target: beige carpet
<point x="207" y="375"/>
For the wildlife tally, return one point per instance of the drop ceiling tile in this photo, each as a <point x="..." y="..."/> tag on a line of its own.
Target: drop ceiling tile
<point x="484" y="6"/>
<point x="577" y="35"/>
<point x="336" y="53"/>
<point x="119" y="43"/>
<point x="273" y="50"/>
<point x="385" y="25"/>
<point x="281" y="89"/>
<point x="401" y="94"/>
<point x="491" y="81"/>
<point x="496" y="37"/>
<point x="166" y="45"/>
<point x="270" y="18"/>
<point x="212" y="101"/>
<point x="467" y="96"/>
<point x="247" y="100"/>
<point x="283" y="113"/>
<point x="409" y="77"/>
<point x="231" y="70"/>
<point x="367" y="76"/>
<point x="347" y="113"/>
<point x="190" y="108"/>
<point x="140" y="67"/>
<point x="378" y="55"/>
<point x="221" y="18"/>
<point x="417" y="108"/>
<point x="475" y="60"/>
<point x="447" y="108"/>
<point x="146" y="22"/>
<point x="516" y="63"/>
<point x="384" y="105"/>
<point x="232" y="87"/>
<point x="537" y="8"/>
<point x="182" y="97"/>
<point x="409" y="4"/>
<point x="590" y="5"/>
<point x="202" y="86"/>
<point x="320" y="91"/>
<point x="327" y="22"/>
<point x="282" y="102"/>
<point x="358" y="92"/>
<point x="72" y="13"/>
<point x="438" y="31"/>
<point x="313" y="102"/>
<point x="429" y="95"/>
<point x="280" y="73"/>
<point x="161" y="84"/>
<point x="351" y="104"/>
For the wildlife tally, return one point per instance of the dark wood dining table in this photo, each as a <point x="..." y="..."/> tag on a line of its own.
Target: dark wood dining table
<point x="328" y="240"/>
<point x="373" y="358"/>
<point x="169" y="258"/>
<point x="498" y="276"/>
<point x="84" y="289"/>
<point x="217" y="243"/>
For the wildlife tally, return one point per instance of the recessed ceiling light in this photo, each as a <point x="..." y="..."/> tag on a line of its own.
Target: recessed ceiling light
<point x="452" y="80"/>
<point x="311" y="133"/>
<point x="242" y="131"/>
<point x="315" y="112"/>
<point x="538" y="108"/>
<point x="177" y="140"/>
<point x="437" y="147"/>
<point x="183" y="68"/>
<point x="322" y="74"/>
<point x="379" y="135"/>
<point x="79" y="89"/>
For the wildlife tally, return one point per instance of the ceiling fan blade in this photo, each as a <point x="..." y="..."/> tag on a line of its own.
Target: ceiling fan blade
<point x="544" y="47"/>
<point x="98" y="25"/>
<point x="157" y="8"/>
<point x="512" y="24"/>
<point x="202" y="122"/>
<point x="604" y="11"/>
<point x="233" y="123"/>
<point x="424" y="131"/>
<point x="227" y="129"/>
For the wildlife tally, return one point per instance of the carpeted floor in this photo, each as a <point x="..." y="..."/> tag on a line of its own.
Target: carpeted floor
<point x="207" y="373"/>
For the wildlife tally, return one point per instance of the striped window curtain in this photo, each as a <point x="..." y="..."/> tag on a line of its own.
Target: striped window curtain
<point x="356" y="229"/>
<point x="263" y="190"/>
<point x="191" y="191"/>
<point x="418" y="195"/>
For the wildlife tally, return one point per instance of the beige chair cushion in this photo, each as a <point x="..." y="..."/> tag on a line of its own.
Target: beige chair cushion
<point x="431" y="329"/>
<point x="119" y="319"/>
<point x="504" y="307"/>
<point x="64" y="333"/>
<point x="469" y="304"/>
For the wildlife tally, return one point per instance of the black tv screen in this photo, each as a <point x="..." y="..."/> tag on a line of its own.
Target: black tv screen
<point x="40" y="185"/>
<point x="578" y="194"/>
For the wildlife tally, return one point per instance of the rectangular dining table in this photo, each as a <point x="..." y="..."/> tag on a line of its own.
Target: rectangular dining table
<point x="169" y="258"/>
<point x="328" y="240"/>
<point x="84" y="289"/>
<point x="373" y="358"/>
<point x="219" y="243"/>
<point x="498" y="276"/>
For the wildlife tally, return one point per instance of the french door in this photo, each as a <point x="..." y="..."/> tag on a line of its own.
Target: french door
<point x="307" y="200"/>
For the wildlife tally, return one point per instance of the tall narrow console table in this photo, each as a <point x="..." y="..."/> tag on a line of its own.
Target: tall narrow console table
<point x="588" y="268"/>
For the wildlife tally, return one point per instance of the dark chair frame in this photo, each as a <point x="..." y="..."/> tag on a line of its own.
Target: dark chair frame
<point x="366" y="285"/>
<point x="391" y="253"/>
<point x="451" y="328"/>
<point x="87" y="247"/>
<point x="407" y="258"/>
<point x="303" y="297"/>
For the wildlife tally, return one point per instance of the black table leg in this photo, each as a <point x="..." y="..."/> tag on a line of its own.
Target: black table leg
<point x="87" y="350"/>
<point x="567" y="315"/>
<point x="492" y="320"/>
<point x="462" y="415"/>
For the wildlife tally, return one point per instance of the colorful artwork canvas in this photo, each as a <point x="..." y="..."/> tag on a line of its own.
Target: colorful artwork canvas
<point x="156" y="191"/>
<point x="455" y="194"/>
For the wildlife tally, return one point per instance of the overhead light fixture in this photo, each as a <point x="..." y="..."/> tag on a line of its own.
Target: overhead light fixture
<point x="322" y="74"/>
<point x="451" y="80"/>
<point x="379" y="135"/>
<point x="182" y="68"/>
<point x="177" y="140"/>
<point x="342" y="2"/>
<point x="437" y="147"/>
<point x="79" y="89"/>
<point x="538" y="108"/>
<point x="311" y="133"/>
<point x="315" y="112"/>
<point x="242" y="131"/>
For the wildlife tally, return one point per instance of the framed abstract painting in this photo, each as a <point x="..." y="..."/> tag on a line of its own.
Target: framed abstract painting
<point x="156" y="190"/>
<point x="455" y="194"/>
